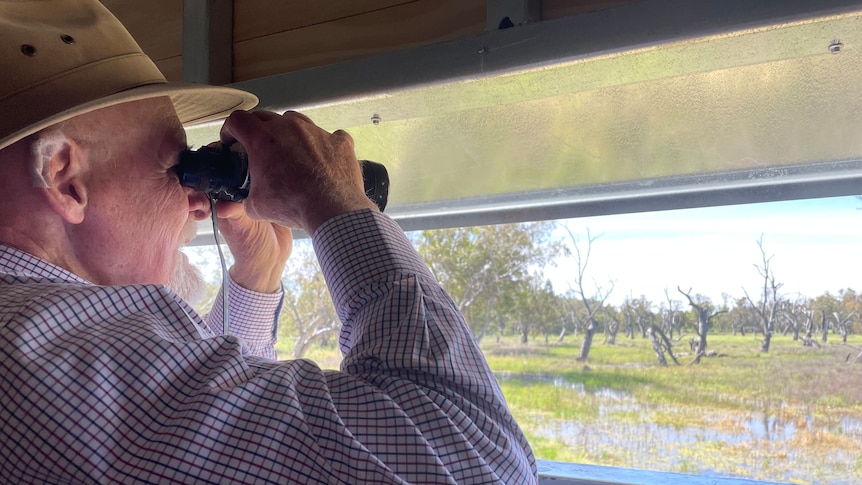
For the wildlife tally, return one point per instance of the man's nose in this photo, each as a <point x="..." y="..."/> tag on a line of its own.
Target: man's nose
<point x="199" y="205"/>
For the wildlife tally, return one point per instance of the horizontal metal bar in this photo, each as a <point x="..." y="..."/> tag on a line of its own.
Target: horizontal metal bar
<point x="558" y="473"/>
<point x="810" y="181"/>
<point x="727" y="188"/>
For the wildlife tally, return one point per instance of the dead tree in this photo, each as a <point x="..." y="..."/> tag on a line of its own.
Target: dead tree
<point x="562" y="329"/>
<point x="810" y="325"/>
<point x="824" y="328"/>
<point x="843" y="323"/>
<point x="770" y="301"/>
<point x="705" y="314"/>
<point x="797" y="315"/>
<point x="629" y="317"/>
<point x="591" y="305"/>
<point x="670" y="320"/>
<point x="660" y="344"/>
<point x="637" y="312"/>
<point x="612" y="325"/>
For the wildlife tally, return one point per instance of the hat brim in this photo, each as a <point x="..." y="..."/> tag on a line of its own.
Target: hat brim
<point x="194" y="103"/>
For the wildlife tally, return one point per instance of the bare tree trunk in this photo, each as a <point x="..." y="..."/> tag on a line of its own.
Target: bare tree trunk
<point x="767" y="339"/>
<point x="628" y="325"/>
<point x="591" y="305"/>
<point x="588" y="341"/>
<point x="482" y="332"/>
<point x="612" y="326"/>
<point x="704" y="316"/>
<point x="657" y="347"/>
<point x="771" y="303"/>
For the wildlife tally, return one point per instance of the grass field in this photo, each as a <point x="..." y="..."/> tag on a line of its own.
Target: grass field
<point x="794" y="414"/>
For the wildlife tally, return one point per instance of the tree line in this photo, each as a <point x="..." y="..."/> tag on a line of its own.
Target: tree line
<point x="495" y="274"/>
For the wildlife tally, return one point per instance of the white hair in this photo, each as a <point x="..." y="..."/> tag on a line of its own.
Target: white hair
<point x="97" y="132"/>
<point x="43" y="149"/>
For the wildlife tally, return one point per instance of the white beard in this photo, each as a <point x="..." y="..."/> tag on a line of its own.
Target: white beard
<point x="187" y="281"/>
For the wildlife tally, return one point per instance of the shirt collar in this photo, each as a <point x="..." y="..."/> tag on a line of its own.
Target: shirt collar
<point x="19" y="263"/>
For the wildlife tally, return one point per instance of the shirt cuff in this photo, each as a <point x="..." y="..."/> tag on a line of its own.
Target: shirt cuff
<point x="253" y="318"/>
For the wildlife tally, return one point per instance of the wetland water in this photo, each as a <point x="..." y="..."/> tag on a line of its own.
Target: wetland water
<point x="768" y="441"/>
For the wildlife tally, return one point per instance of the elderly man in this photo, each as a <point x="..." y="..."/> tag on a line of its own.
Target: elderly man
<point x="108" y="375"/>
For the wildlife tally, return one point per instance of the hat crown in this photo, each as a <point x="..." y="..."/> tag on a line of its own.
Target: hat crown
<point x="62" y="58"/>
<point x="58" y="54"/>
<point x="41" y="40"/>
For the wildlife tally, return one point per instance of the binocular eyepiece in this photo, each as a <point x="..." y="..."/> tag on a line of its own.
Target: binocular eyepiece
<point x="222" y="174"/>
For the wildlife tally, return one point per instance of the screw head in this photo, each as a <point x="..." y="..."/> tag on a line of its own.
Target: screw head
<point x="835" y="46"/>
<point x="375" y="119"/>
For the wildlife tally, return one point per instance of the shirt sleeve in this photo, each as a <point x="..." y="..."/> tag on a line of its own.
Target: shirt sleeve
<point x="253" y="318"/>
<point x="400" y="325"/>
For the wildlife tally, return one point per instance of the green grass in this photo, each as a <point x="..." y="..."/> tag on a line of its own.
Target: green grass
<point x="806" y="393"/>
<point x="620" y="408"/>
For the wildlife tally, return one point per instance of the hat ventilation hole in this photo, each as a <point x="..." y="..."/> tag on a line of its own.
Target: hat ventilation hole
<point x="28" y="50"/>
<point x="67" y="39"/>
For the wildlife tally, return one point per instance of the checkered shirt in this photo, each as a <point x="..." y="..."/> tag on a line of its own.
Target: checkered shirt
<point x="117" y="385"/>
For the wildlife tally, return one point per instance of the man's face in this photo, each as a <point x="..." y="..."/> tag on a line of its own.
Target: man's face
<point x="137" y="213"/>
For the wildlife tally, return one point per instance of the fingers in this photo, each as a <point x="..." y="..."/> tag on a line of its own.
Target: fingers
<point x="260" y="250"/>
<point x="241" y="125"/>
<point x="301" y="174"/>
<point x="343" y="138"/>
<point x="226" y="209"/>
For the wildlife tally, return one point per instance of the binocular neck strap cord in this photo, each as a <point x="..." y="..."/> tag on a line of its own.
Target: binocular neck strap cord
<point x="225" y="285"/>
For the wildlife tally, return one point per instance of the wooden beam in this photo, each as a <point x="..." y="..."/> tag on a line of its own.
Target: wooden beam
<point x="405" y="25"/>
<point x="208" y="41"/>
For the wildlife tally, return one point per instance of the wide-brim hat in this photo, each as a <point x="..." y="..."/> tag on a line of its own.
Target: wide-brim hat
<point x="63" y="58"/>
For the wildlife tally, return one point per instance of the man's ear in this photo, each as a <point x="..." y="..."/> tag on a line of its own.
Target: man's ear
<point x="64" y="170"/>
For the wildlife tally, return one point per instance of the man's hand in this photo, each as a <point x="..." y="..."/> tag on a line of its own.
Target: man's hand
<point x="301" y="175"/>
<point x="260" y="248"/>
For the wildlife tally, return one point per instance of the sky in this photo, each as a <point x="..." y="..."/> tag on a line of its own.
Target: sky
<point x="815" y="245"/>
